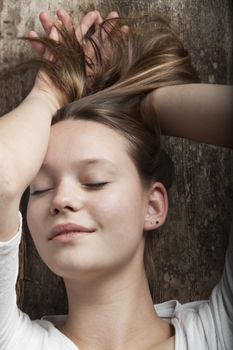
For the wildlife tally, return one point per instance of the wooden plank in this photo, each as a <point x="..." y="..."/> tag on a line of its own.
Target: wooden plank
<point x="189" y="252"/>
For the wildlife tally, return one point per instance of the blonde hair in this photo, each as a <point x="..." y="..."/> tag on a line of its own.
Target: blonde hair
<point x="110" y="87"/>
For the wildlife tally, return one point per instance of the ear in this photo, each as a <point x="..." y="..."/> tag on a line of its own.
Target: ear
<point x="157" y="207"/>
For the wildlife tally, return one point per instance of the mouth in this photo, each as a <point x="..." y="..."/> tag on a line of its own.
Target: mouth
<point x="68" y="232"/>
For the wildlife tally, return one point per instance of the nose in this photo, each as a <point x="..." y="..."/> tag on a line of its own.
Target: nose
<point x="67" y="198"/>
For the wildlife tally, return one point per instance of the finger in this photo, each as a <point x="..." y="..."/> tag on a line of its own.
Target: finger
<point x="112" y="14"/>
<point x="54" y="34"/>
<point x="109" y="24"/>
<point x="99" y="19"/>
<point x="100" y="34"/>
<point x="65" y="18"/>
<point x="37" y="47"/>
<point x="46" y="22"/>
<point x="87" y="21"/>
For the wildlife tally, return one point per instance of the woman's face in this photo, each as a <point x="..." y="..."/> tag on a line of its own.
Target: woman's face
<point x="87" y="206"/>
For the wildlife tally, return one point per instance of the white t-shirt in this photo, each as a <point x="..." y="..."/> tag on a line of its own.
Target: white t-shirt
<point x="202" y="325"/>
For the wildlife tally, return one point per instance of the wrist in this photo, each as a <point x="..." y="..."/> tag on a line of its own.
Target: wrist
<point x="44" y="99"/>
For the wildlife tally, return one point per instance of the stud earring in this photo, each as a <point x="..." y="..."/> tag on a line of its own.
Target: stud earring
<point x="157" y="222"/>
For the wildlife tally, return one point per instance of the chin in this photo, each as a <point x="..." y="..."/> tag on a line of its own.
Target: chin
<point x="75" y="268"/>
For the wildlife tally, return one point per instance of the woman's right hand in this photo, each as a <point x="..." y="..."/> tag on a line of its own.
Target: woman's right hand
<point x="43" y="84"/>
<point x="93" y="18"/>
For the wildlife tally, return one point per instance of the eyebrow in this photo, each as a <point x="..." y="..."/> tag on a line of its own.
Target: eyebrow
<point x="97" y="161"/>
<point x="83" y="162"/>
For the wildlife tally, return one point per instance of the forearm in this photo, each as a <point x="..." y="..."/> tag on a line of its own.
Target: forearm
<point x="9" y="264"/>
<point x="24" y="134"/>
<point x="200" y="112"/>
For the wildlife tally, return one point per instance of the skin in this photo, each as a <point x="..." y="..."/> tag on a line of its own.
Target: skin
<point x="202" y="112"/>
<point x="135" y="324"/>
<point x="107" y="265"/>
<point x="18" y="165"/>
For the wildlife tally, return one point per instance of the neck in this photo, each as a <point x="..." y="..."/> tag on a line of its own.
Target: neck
<point x="115" y="313"/>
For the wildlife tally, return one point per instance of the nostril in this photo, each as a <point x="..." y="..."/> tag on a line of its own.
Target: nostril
<point x="54" y="211"/>
<point x="70" y="208"/>
<point x="57" y="210"/>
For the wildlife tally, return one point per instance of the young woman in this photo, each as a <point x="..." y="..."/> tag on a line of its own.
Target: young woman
<point x="98" y="180"/>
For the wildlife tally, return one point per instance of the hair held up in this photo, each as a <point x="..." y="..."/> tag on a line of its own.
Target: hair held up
<point x="105" y="78"/>
<point x="108" y="82"/>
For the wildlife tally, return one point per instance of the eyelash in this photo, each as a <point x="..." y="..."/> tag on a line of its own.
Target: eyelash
<point x="38" y="192"/>
<point x="93" y="186"/>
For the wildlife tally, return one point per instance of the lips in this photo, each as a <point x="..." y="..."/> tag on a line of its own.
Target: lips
<point x="68" y="228"/>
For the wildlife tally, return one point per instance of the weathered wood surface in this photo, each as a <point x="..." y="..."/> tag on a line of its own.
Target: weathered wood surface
<point x="189" y="253"/>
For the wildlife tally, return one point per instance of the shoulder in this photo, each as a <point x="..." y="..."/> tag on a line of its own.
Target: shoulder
<point x="38" y="335"/>
<point x="194" y="324"/>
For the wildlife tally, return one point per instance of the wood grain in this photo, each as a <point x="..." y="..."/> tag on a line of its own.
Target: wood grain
<point x="190" y="248"/>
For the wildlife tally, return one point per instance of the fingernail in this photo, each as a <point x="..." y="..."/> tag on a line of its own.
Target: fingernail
<point x="61" y="11"/>
<point x="32" y="34"/>
<point x="115" y="14"/>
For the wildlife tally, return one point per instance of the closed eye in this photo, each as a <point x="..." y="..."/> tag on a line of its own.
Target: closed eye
<point x="38" y="192"/>
<point x="95" y="186"/>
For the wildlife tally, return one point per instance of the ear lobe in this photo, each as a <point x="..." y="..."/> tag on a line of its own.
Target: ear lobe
<point x="157" y="207"/>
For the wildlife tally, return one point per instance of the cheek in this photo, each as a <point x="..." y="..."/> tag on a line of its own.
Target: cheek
<point x="108" y="204"/>
<point x="120" y="219"/>
<point x="120" y="208"/>
<point x="35" y="217"/>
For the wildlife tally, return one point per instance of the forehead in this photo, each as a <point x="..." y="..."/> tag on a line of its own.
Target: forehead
<point x="79" y="139"/>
